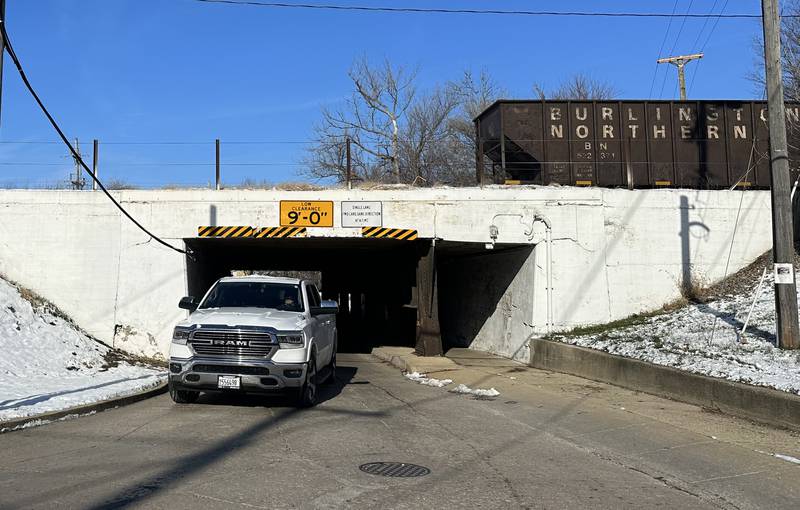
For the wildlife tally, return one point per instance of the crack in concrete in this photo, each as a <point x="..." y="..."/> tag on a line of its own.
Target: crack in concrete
<point x="226" y="501"/>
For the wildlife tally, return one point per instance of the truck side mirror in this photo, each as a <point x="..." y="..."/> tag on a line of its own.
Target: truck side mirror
<point x="328" y="307"/>
<point x="188" y="303"/>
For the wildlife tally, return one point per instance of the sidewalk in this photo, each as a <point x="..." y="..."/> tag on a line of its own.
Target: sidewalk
<point x="637" y="428"/>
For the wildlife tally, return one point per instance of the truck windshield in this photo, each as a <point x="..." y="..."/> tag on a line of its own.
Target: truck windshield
<point x="279" y="296"/>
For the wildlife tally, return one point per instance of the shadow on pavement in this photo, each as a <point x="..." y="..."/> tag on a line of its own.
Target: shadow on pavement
<point x="138" y="491"/>
<point x="327" y="391"/>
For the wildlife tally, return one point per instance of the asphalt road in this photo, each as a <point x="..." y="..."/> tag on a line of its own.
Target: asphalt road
<point x="551" y="447"/>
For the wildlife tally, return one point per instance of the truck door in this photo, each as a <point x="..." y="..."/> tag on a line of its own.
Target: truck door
<point x="321" y="326"/>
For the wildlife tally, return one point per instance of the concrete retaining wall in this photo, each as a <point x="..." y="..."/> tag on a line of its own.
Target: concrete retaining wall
<point x="758" y="404"/>
<point x="73" y="248"/>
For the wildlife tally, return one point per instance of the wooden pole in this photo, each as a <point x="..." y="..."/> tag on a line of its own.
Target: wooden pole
<point x="783" y="246"/>
<point x="95" y="153"/>
<point x="349" y="170"/>
<point x="216" y="180"/>
<point x="479" y="168"/>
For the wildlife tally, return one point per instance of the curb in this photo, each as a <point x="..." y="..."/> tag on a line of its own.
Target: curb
<point x="405" y="359"/>
<point x="765" y="405"/>
<point x="11" y="425"/>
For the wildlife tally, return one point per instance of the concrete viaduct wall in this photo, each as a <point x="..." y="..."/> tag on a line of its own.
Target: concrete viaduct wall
<point x="615" y="252"/>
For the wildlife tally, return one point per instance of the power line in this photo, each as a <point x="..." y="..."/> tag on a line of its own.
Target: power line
<point x="710" y="33"/>
<point x="705" y="23"/>
<point x="661" y="49"/>
<point x="441" y="10"/>
<point x="11" y="53"/>
<point x="224" y="142"/>
<point x="44" y="163"/>
<point x="674" y="44"/>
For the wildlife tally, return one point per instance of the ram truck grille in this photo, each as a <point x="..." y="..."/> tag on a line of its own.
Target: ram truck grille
<point x="234" y="343"/>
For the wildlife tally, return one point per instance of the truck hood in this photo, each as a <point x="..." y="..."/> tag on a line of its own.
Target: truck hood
<point x="260" y="317"/>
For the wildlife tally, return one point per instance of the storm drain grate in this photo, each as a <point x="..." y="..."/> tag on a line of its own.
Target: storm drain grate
<point x="395" y="469"/>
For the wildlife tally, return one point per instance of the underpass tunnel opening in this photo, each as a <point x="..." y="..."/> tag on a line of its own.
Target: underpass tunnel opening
<point x="486" y="297"/>
<point x="373" y="280"/>
<point x="430" y="296"/>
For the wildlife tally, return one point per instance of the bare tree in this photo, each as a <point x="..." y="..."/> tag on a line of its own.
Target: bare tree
<point x="475" y="94"/>
<point x="790" y="54"/>
<point x="421" y="139"/>
<point x="372" y="116"/>
<point x="425" y="134"/>
<point x="578" y="86"/>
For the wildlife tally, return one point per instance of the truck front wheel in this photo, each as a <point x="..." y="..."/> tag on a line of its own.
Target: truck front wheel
<point x="307" y="396"/>
<point x="183" y="396"/>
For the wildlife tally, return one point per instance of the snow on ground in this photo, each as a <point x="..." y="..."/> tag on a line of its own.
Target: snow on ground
<point x="48" y="365"/>
<point x="440" y="383"/>
<point x="703" y="338"/>
<point x="463" y="388"/>
<point x="428" y="381"/>
<point x="787" y="458"/>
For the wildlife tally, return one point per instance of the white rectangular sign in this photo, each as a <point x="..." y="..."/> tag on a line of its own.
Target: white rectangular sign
<point x="362" y="214"/>
<point x="784" y="274"/>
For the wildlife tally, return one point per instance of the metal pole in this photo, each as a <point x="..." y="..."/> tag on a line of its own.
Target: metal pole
<point x="349" y="176"/>
<point x="94" y="163"/>
<point x="217" y="187"/>
<point x="2" y="45"/>
<point x="783" y="246"/>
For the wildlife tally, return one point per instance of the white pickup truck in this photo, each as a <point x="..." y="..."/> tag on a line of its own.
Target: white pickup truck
<point x="254" y="334"/>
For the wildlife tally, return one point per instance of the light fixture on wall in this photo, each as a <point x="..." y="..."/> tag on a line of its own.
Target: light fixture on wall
<point x="493" y="233"/>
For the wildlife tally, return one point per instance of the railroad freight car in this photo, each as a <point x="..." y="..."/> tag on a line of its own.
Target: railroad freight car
<point x="635" y="144"/>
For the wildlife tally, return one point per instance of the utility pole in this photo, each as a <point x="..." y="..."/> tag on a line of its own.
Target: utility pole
<point x="95" y="154"/>
<point x="217" y="186"/>
<point x="680" y="62"/>
<point x="349" y="170"/>
<point x="782" y="241"/>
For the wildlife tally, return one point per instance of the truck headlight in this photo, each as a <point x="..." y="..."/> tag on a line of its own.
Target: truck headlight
<point x="291" y="341"/>
<point x="180" y="335"/>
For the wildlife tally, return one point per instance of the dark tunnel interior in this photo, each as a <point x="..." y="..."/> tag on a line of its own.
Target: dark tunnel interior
<point x="375" y="281"/>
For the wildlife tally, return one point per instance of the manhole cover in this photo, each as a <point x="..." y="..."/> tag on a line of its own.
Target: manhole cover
<point x="396" y="469"/>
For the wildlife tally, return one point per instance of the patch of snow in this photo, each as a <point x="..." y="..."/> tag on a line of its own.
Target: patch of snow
<point x="464" y="389"/>
<point x="788" y="458"/>
<point x="38" y="421"/>
<point x="428" y="381"/>
<point x="48" y="364"/>
<point x="683" y="339"/>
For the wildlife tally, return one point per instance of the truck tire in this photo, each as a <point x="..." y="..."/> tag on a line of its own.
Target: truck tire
<point x="307" y="395"/>
<point x="183" y="396"/>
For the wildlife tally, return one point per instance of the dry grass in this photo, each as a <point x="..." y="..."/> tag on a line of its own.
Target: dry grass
<point x="631" y="320"/>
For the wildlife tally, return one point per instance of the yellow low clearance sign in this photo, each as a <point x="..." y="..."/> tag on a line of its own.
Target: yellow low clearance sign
<point x="306" y="214"/>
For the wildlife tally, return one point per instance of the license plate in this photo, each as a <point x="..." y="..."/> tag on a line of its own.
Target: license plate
<point x="230" y="382"/>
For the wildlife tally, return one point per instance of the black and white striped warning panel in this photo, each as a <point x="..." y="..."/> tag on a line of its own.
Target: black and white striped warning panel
<point x="402" y="234"/>
<point x="281" y="232"/>
<point x="238" y="231"/>
<point x="259" y="233"/>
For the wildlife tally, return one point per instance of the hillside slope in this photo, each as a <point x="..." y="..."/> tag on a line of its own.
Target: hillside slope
<point x="704" y="337"/>
<point x="48" y="364"/>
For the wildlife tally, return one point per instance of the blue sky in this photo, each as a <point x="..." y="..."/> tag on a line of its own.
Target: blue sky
<point x="126" y="71"/>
